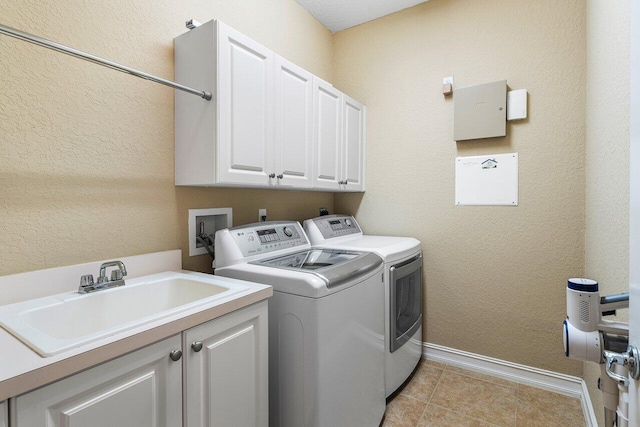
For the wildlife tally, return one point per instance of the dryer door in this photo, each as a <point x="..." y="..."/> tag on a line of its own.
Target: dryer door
<point x="405" y="301"/>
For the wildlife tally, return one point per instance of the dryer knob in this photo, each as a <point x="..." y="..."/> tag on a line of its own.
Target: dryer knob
<point x="348" y="222"/>
<point x="288" y="231"/>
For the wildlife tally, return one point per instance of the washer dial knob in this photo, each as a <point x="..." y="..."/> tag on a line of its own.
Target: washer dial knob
<point x="288" y="231"/>
<point x="348" y="222"/>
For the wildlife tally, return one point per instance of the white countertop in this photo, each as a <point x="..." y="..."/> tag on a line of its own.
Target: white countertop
<point x="22" y="369"/>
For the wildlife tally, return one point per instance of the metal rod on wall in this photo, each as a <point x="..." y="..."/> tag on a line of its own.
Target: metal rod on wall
<point x="97" y="60"/>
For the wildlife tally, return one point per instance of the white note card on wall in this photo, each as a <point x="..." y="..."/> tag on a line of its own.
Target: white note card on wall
<point x="487" y="180"/>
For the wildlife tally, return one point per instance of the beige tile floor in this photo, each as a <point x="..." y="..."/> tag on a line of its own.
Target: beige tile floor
<point x="444" y="396"/>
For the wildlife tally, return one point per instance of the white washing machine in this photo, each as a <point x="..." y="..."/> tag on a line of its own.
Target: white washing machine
<point x="402" y="283"/>
<point x="326" y="334"/>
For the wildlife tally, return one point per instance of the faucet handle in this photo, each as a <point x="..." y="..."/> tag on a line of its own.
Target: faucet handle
<point x="86" y="280"/>
<point x="116" y="275"/>
<point x="122" y="268"/>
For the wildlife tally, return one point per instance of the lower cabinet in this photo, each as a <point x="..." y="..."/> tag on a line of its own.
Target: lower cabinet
<point x="4" y="414"/>
<point x="224" y="369"/>
<point x="143" y="388"/>
<point x="227" y="370"/>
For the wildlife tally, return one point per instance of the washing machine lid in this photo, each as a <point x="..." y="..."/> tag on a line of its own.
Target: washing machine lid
<point x="344" y="232"/>
<point x="390" y="248"/>
<point x="334" y="266"/>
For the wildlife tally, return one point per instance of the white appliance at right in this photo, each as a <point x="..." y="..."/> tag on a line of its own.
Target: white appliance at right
<point x="402" y="283"/>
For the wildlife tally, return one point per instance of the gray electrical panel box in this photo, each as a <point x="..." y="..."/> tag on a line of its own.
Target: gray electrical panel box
<point x="480" y="111"/>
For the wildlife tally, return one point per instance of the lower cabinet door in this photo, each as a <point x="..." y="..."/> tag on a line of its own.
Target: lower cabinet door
<point x="140" y="389"/>
<point x="226" y="369"/>
<point x="4" y="414"/>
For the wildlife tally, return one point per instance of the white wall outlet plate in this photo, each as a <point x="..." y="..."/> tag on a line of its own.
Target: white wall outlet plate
<point x="213" y="219"/>
<point x="447" y="80"/>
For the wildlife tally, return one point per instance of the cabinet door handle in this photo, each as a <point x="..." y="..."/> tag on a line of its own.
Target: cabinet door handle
<point x="196" y="346"/>
<point x="281" y="176"/>
<point x="272" y="175"/>
<point x="175" y="355"/>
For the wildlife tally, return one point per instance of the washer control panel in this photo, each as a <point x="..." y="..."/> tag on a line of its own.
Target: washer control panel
<point x="337" y="226"/>
<point x="260" y="238"/>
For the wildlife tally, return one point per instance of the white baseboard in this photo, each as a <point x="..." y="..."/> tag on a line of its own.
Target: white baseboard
<point x="548" y="380"/>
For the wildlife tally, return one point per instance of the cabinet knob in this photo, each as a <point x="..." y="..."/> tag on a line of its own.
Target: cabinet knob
<point x="281" y="176"/>
<point x="272" y="175"/>
<point x="196" y="346"/>
<point x="175" y="355"/>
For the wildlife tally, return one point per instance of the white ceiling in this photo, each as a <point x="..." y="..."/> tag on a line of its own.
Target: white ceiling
<point x="338" y="15"/>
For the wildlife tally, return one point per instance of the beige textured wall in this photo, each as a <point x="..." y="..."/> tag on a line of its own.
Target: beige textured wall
<point x="495" y="276"/>
<point x="86" y="153"/>
<point x="607" y="157"/>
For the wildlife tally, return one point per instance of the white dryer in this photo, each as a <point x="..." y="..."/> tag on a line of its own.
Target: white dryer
<point x="326" y="335"/>
<point x="402" y="283"/>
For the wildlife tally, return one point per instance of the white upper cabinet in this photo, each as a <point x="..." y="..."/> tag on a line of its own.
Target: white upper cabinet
<point x="353" y="116"/>
<point x="339" y="139"/>
<point x="294" y="125"/>
<point x="270" y="123"/>
<point x="245" y="99"/>
<point x="327" y="135"/>
<point x="228" y="140"/>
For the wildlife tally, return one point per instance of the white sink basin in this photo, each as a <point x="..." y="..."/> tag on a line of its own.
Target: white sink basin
<point x="62" y="322"/>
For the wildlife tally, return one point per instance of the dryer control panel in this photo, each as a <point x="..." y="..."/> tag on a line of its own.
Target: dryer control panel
<point x="265" y="237"/>
<point x="336" y="225"/>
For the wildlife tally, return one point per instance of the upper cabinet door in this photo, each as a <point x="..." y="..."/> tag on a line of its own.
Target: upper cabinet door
<point x="354" y="147"/>
<point x="245" y="100"/>
<point x="327" y="135"/>
<point x="294" y="125"/>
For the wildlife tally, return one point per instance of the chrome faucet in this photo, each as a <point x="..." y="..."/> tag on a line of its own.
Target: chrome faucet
<point x="87" y="285"/>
